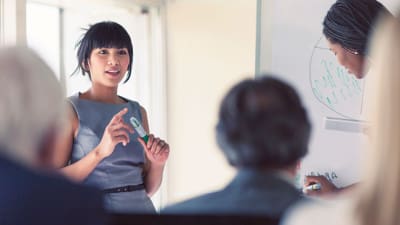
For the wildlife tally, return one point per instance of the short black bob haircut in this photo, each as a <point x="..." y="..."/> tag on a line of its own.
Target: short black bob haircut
<point x="263" y="124"/>
<point x="105" y="34"/>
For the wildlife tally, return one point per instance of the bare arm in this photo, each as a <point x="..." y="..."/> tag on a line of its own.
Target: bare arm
<point x="115" y="132"/>
<point x="157" y="152"/>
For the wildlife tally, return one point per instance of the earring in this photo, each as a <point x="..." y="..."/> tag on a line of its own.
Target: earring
<point x="354" y="52"/>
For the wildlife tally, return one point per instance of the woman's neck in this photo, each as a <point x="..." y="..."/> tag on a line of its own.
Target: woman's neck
<point x="102" y="94"/>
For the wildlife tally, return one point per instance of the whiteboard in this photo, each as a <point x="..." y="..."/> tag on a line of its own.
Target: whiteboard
<point x="290" y="45"/>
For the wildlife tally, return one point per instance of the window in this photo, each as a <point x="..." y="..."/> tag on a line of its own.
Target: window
<point x="43" y="33"/>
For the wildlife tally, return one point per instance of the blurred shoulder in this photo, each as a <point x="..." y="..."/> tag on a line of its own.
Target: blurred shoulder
<point x="327" y="212"/>
<point x="200" y="204"/>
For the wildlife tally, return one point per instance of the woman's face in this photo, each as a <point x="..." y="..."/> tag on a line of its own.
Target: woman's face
<point x="108" y="65"/>
<point x="351" y="60"/>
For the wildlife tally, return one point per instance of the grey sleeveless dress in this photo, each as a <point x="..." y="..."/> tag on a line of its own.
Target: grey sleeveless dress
<point x="123" y="167"/>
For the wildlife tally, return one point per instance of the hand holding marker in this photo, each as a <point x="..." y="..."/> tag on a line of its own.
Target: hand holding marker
<point x="139" y="128"/>
<point x="312" y="187"/>
<point x="158" y="151"/>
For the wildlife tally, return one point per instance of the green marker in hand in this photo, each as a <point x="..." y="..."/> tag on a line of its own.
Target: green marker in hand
<point x="139" y="129"/>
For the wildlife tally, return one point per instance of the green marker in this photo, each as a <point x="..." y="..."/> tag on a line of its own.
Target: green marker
<point x="139" y="129"/>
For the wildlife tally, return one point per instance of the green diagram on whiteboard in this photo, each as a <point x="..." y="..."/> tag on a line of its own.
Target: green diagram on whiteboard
<point x="332" y="85"/>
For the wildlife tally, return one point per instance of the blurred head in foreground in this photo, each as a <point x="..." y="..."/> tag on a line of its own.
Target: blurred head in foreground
<point x="263" y="125"/>
<point x="31" y="107"/>
<point x="380" y="189"/>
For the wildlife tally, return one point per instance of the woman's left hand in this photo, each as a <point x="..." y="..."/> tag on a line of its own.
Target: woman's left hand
<point x="156" y="149"/>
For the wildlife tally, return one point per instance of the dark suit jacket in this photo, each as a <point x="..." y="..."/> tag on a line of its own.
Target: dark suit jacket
<point x="250" y="193"/>
<point x="28" y="197"/>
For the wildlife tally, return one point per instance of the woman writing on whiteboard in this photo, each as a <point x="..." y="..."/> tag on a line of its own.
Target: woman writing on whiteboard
<point x="376" y="200"/>
<point x="347" y="27"/>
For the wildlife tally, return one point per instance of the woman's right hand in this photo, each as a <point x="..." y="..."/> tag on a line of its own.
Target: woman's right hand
<point x="115" y="132"/>
<point x="326" y="187"/>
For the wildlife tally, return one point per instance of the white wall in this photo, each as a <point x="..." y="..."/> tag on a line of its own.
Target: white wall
<point x="210" y="46"/>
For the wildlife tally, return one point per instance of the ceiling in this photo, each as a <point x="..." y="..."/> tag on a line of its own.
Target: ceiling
<point x="126" y="4"/>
